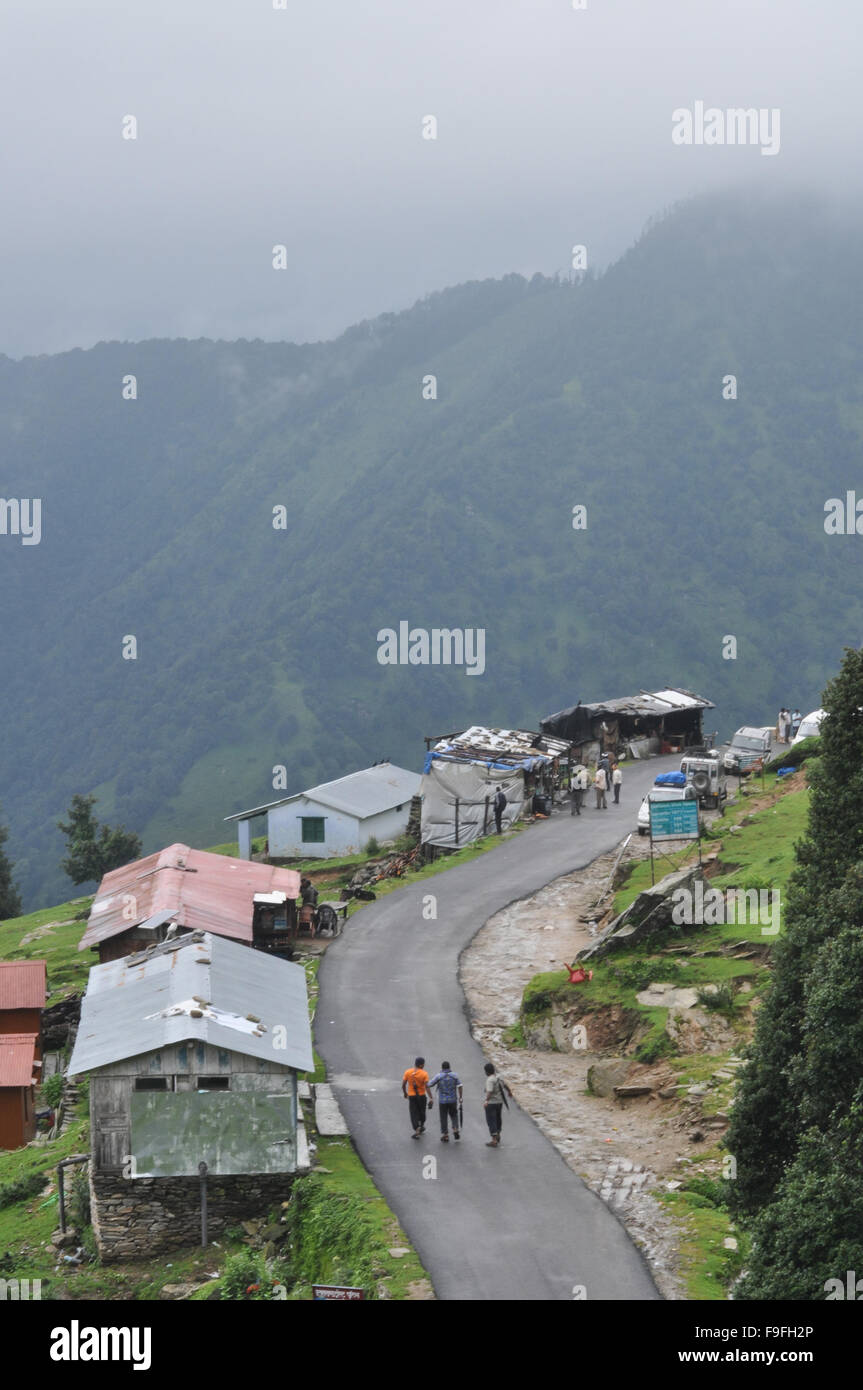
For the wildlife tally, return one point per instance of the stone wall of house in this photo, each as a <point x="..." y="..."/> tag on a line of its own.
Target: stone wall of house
<point x="140" y="1217"/>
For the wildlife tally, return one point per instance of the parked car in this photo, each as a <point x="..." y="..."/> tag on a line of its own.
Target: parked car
<point x="706" y="774"/>
<point x="809" y="726"/>
<point x="746" y="747"/>
<point x="660" y="793"/>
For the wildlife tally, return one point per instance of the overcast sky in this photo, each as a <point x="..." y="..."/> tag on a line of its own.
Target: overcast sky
<point x="303" y="126"/>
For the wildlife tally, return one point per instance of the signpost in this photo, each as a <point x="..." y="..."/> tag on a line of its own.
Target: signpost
<point x="336" y="1293"/>
<point x="673" y="820"/>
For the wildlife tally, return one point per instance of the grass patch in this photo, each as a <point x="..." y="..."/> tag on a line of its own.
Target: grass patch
<point x="708" y="1268"/>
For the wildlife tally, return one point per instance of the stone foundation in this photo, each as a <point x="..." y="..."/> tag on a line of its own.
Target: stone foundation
<point x="141" y="1217"/>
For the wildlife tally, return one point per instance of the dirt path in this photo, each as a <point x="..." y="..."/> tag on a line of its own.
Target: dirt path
<point x="620" y="1150"/>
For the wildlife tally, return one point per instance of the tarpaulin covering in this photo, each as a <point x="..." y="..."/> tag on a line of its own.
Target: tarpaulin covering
<point x="576" y="723"/>
<point x="446" y="782"/>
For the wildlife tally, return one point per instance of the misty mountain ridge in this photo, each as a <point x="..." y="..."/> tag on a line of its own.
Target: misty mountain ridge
<point x="257" y="646"/>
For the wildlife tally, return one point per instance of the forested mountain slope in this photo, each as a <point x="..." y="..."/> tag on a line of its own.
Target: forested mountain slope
<point x="257" y="646"/>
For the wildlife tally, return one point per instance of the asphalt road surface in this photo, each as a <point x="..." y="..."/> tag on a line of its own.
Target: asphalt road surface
<point x="508" y="1223"/>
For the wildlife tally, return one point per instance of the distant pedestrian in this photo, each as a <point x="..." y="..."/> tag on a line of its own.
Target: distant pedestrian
<point x="449" y="1096"/>
<point x="496" y="1092"/>
<point x="617" y="783"/>
<point x="796" y="720"/>
<point x="415" y="1089"/>
<point x="499" y="806"/>
<point x="788" y="722"/>
<point x="600" y="786"/>
<point x="579" y="787"/>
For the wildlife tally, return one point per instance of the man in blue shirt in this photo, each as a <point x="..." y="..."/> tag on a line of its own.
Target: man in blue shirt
<point x="449" y="1094"/>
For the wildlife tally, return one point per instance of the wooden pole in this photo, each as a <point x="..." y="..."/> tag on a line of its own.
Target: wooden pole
<point x="202" y="1169"/>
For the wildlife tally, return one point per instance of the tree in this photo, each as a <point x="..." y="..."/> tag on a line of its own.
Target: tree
<point x="93" y="849"/>
<point x="10" y="900"/>
<point x="781" y="1088"/>
<point x="811" y="1236"/>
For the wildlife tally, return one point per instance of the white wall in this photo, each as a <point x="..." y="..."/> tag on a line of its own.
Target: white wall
<point x="343" y="834"/>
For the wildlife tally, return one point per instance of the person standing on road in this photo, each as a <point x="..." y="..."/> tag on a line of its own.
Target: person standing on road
<point x="415" y="1090"/>
<point x="600" y="785"/>
<point x="788" y="722"/>
<point x="499" y="806"/>
<point x="579" y="787"/>
<point x="796" y="720"/>
<point x="449" y="1098"/>
<point x="496" y="1092"/>
<point x="617" y="783"/>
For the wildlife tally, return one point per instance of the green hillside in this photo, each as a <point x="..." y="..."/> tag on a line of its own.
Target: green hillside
<point x="257" y="646"/>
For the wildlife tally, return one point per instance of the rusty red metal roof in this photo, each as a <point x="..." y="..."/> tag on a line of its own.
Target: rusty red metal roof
<point x="23" y="984"/>
<point x="17" y="1059"/>
<point x="197" y="890"/>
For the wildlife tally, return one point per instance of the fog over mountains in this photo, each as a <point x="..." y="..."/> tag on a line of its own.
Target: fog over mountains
<point x="257" y="644"/>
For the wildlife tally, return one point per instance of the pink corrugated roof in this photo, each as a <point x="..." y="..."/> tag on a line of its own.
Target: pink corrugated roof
<point x="17" y="1058"/>
<point x="199" y="891"/>
<point x="22" y="984"/>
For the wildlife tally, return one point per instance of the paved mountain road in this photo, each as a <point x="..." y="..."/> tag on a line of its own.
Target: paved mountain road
<point x="498" y="1224"/>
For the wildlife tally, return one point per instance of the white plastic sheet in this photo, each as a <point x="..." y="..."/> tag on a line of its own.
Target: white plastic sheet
<point x="469" y="784"/>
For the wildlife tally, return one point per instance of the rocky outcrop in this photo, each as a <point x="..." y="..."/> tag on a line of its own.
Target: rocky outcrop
<point x="649" y="912"/>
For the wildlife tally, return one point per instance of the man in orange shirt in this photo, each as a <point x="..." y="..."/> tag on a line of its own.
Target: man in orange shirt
<point x="415" y="1089"/>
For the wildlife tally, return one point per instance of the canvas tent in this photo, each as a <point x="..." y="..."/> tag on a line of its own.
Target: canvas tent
<point x="462" y="775"/>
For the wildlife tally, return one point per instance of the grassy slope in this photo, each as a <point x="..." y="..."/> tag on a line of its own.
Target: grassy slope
<point x="26" y="1226"/>
<point x="758" y="854"/>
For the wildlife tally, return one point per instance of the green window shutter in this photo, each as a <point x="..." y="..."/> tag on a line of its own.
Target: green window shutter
<point x="312" y="830"/>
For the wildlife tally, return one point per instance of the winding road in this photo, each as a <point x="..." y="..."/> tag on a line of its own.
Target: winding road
<point x="509" y="1223"/>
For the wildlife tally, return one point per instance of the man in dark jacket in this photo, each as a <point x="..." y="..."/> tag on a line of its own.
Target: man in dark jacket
<point x="499" y="806"/>
<point x="449" y="1097"/>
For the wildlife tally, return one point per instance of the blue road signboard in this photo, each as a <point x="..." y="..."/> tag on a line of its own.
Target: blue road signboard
<point x="674" y="820"/>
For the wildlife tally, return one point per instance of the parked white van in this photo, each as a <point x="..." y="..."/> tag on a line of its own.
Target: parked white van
<point x="686" y="793"/>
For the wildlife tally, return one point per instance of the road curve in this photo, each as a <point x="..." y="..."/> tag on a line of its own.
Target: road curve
<point x="511" y="1223"/>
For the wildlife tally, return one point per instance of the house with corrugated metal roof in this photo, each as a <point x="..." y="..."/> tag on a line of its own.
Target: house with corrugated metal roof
<point x="19" y="1075"/>
<point x="193" y="1048"/>
<point x="23" y="991"/>
<point x="335" y="818"/>
<point x="183" y="889"/>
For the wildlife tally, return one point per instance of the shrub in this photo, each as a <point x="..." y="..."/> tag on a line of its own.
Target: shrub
<point x="52" y="1090"/>
<point x="722" y="1000"/>
<point x="372" y="847"/>
<point x="713" y="1190"/>
<point x="21" y="1188"/>
<point x="657" y="1045"/>
<point x="79" y="1199"/>
<point x="246" y="1276"/>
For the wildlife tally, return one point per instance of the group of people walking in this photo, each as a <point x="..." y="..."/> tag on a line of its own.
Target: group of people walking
<point x="417" y="1089"/>
<point x="787" y="725"/>
<point x="606" y="777"/>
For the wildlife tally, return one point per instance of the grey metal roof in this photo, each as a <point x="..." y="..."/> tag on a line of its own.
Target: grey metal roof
<point x="142" y="1002"/>
<point x="364" y="793"/>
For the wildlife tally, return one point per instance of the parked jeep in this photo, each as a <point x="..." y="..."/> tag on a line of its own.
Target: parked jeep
<point x="746" y="747"/>
<point x="705" y="773"/>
